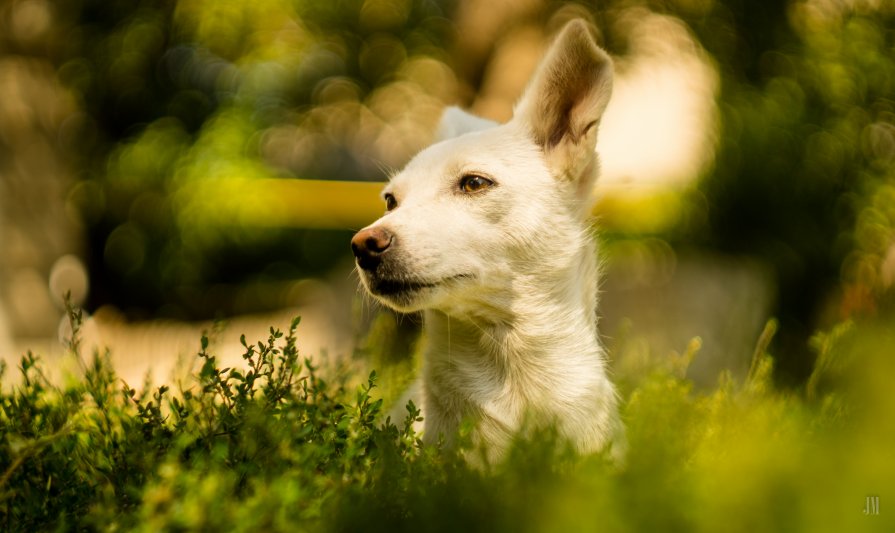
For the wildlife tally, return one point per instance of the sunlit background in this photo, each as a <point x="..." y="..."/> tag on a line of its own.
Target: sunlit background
<point x="173" y="163"/>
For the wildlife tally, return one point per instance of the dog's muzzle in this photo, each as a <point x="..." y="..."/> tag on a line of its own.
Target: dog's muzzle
<point x="369" y="245"/>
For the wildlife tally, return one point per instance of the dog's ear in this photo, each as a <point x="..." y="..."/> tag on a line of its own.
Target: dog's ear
<point x="456" y="122"/>
<point x="562" y="106"/>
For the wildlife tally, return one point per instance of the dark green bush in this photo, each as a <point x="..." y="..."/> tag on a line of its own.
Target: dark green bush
<point x="272" y="446"/>
<point x="273" y="436"/>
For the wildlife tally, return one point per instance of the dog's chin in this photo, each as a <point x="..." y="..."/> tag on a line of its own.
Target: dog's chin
<point x="409" y="301"/>
<point x="409" y="295"/>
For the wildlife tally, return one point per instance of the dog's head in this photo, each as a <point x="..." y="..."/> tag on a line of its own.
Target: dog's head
<point x="471" y="217"/>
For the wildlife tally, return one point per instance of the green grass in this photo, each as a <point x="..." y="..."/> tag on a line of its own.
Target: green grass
<point x="274" y="446"/>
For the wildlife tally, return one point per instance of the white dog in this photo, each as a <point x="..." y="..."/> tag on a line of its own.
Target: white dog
<point x="487" y="232"/>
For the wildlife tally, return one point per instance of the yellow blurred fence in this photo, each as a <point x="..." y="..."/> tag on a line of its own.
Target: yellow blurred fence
<point x="324" y="204"/>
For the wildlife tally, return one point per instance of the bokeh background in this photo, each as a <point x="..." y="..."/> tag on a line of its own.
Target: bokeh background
<point x="176" y="162"/>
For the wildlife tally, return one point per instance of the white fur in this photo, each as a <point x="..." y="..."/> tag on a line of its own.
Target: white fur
<point x="511" y="270"/>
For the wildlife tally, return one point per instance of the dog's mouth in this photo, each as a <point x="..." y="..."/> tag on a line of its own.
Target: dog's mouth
<point x="403" y="287"/>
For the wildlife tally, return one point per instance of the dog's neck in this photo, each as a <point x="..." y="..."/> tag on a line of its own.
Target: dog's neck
<point x="541" y="356"/>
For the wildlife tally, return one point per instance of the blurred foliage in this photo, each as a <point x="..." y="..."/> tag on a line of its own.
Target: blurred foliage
<point x="804" y="170"/>
<point x="189" y="103"/>
<point x="804" y="175"/>
<point x="191" y="109"/>
<point x="273" y="446"/>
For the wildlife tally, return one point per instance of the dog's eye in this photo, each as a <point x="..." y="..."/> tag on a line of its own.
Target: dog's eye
<point x="473" y="183"/>
<point x="390" y="202"/>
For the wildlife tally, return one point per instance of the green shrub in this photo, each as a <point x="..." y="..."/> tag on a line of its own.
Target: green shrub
<point x="272" y="446"/>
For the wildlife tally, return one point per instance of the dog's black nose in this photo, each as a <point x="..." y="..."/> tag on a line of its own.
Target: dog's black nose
<point x="368" y="246"/>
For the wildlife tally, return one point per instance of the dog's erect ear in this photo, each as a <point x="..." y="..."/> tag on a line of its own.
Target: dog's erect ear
<point x="456" y="122"/>
<point x="562" y="106"/>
